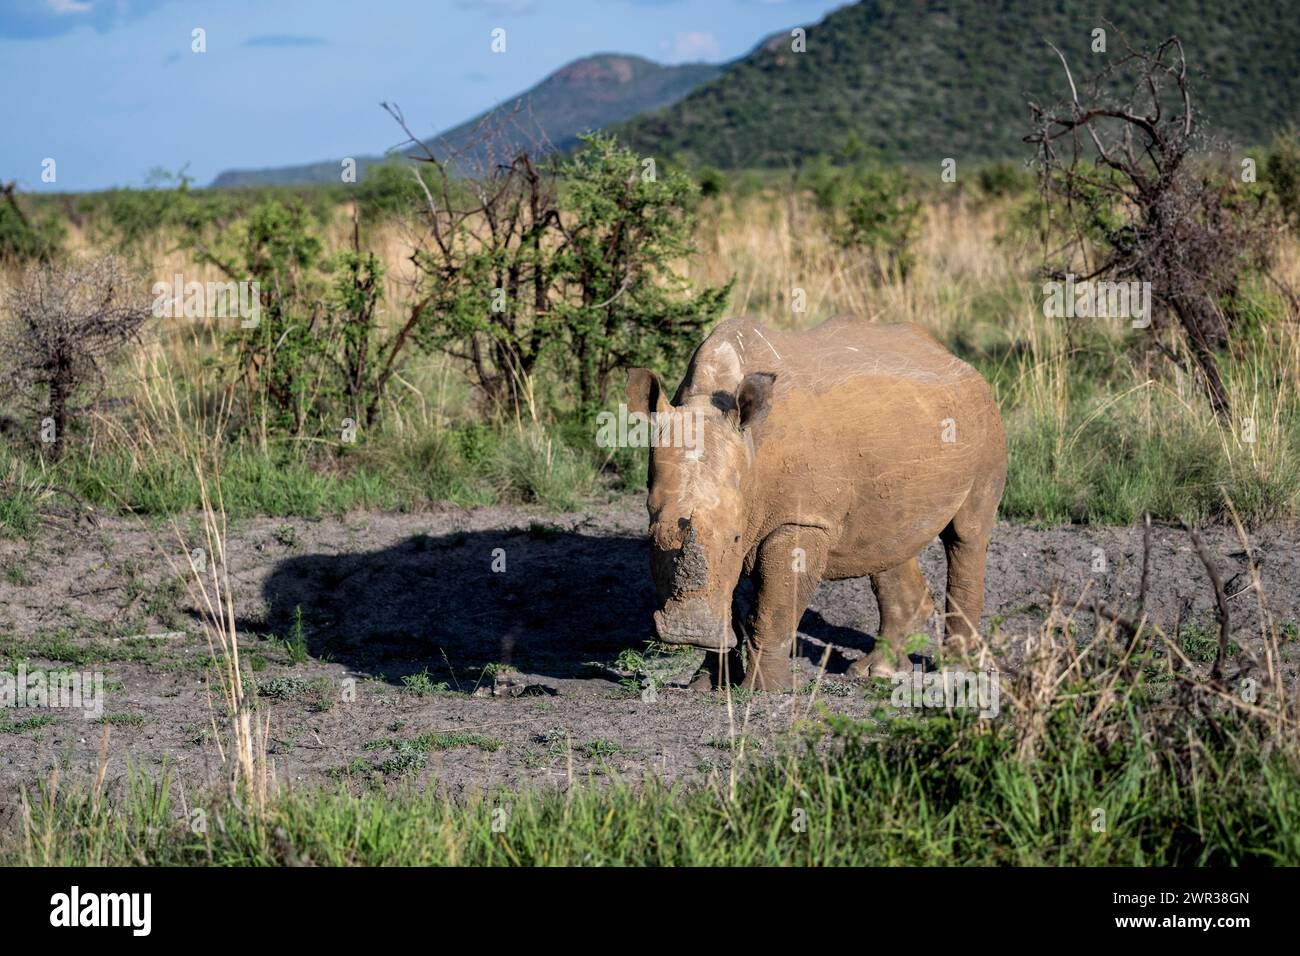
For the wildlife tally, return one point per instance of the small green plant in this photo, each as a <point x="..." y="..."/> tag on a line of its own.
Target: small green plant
<point x="356" y="767"/>
<point x="124" y="720"/>
<point x="296" y="643"/>
<point x="403" y="761"/>
<point x="630" y="659"/>
<point x="598" y="748"/>
<point x="740" y="696"/>
<point x="285" y="687"/>
<point x="423" y="685"/>
<point x="556" y="740"/>
<point x="321" y="695"/>
<point x="1200" y="643"/>
<point x="451" y="740"/>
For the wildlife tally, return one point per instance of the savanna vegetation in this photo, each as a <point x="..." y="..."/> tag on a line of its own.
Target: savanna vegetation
<point x="424" y="337"/>
<point x="414" y="345"/>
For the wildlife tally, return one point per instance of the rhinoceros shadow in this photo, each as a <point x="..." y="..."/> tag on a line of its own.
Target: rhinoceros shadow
<point x="556" y="603"/>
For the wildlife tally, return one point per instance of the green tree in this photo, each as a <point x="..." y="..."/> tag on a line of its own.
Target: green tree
<point x="21" y="239"/>
<point x="567" y="268"/>
<point x="625" y="305"/>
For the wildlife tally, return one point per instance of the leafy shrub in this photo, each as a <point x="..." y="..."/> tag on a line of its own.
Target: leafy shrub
<point x="1282" y="173"/>
<point x="1003" y="179"/>
<point x="868" y="207"/>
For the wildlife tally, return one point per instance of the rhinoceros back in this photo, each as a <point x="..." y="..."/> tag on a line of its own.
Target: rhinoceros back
<point x="876" y="431"/>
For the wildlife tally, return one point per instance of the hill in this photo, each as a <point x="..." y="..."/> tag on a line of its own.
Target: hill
<point x="587" y="94"/>
<point x="917" y="80"/>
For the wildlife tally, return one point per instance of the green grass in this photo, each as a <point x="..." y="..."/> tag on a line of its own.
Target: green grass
<point x="1119" y="469"/>
<point x="251" y="484"/>
<point x="452" y="740"/>
<point x="19" y="503"/>
<point x="1201" y="642"/>
<point x="164" y="484"/>
<point x="402" y="758"/>
<point x="933" y="791"/>
<point x="10" y="726"/>
<point x="285" y="687"/>
<point x="124" y="720"/>
<point x="1116" y="466"/>
<point x="469" y="465"/>
<point x="1110" y="448"/>
<point x="65" y="646"/>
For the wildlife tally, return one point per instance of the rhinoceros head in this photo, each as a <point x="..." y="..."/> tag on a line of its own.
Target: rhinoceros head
<point x="700" y="464"/>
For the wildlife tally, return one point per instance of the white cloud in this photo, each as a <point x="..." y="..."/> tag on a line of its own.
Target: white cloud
<point x="64" y="7"/>
<point x="692" y="46"/>
<point x="34" y="19"/>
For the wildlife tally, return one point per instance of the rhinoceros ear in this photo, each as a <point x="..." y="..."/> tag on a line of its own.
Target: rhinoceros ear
<point x="754" y="397"/>
<point x="644" y="393"/>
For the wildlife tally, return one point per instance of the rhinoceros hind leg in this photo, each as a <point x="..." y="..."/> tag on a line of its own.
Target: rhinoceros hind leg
<point x="966" y="542"/>
<point x="717" y="671"/>
<point x="905" y="608"/>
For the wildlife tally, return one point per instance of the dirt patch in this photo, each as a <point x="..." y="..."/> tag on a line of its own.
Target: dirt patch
<point x="497" y="646"/>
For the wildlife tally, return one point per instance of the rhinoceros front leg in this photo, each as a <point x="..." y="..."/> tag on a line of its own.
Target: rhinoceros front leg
<point x="787" y="569"/>
<point x="718" y="671"/>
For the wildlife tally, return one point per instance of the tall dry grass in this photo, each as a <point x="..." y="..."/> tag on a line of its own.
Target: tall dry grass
<point x="1095" y="428"/>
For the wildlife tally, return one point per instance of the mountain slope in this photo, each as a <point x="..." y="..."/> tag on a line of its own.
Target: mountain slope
<point x="587" y="94"/>
<point x="919" y="80"/>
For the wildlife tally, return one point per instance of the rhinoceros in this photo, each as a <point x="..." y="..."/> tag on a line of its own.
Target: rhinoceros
<point x="834" y="452"/>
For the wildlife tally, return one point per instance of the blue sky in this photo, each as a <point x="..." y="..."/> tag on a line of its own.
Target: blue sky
<point x="111" y="89"/>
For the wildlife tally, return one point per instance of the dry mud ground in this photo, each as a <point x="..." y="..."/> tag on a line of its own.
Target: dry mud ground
<point x="528" y="655"/>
